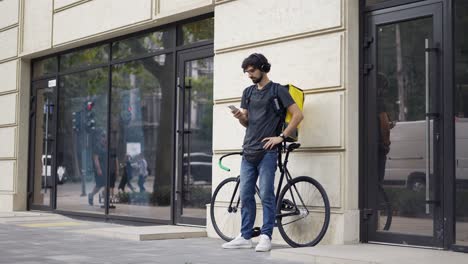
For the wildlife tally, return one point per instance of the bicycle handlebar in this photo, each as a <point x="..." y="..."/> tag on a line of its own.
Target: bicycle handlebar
<point x="226" y="155"/>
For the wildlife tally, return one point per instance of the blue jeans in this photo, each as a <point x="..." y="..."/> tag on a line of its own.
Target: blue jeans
<point x="248" y="178"/>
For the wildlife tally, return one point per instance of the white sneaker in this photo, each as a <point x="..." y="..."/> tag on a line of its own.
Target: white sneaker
<point x="264" y="244"/>
<point x="238" y="242"/>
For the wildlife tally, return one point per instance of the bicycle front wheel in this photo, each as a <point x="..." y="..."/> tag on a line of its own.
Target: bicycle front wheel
<point x="226" y="216"/>
<point x="303" y="212"/>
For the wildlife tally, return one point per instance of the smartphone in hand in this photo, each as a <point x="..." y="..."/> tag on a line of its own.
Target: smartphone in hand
<point x="233" y="108"/>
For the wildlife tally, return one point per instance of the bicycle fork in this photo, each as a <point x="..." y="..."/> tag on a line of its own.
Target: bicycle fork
<point x="233" y="209"/>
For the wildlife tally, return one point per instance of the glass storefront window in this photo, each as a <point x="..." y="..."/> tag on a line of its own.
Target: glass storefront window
<point x="141" y="45"/>
<point x="142" y="135"/>
<point x="461" y="121"/>
<point x="45" y="67"/>
<point x="82" y="140"/>
<point x="84" y="58"/>
<point x="120" y="132"/>
<point x="196" y="31"/>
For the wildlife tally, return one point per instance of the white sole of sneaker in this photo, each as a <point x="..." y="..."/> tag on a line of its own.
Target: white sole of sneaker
<point x="237" y="247"/>
<point x="262" y="250"/>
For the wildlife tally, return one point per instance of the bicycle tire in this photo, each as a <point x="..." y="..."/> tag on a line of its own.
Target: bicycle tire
<point x="384" y="205"/>
<point x="299" y="187"/>
<point x="223" y="221"/>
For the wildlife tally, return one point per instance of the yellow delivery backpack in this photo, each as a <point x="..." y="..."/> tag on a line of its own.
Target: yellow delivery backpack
<point x="297" y="95"/>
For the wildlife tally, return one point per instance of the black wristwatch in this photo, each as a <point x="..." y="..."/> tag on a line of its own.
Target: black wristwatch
<point x="283" y="137"/>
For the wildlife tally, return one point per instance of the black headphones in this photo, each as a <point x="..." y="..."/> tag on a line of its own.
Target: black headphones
<point x="264" y="66"/>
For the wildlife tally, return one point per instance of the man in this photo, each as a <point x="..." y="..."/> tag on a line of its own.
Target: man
<point x="127" y="175"/>
<point x="143" y="172"/>
<point x="99" y="158"/>
<point x="261" y="140"/>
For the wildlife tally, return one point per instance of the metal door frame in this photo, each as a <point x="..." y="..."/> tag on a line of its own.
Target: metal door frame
<point x="182" y="57"/>
<point x="43" y="84"/>
<point x="381" y="17"/>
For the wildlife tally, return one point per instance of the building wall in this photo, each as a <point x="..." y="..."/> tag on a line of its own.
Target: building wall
<point x="12" y="191"/>
<point x="312" y="44"/>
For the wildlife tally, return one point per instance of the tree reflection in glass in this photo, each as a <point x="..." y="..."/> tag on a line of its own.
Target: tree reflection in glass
<point x="141" y="132"/>
<point x="144" y="44"/>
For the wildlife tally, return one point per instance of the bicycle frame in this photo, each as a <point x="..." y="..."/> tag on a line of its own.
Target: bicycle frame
<point x="282" y="166"/>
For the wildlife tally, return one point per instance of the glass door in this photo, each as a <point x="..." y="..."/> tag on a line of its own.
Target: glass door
<point x="403" y="125"/>
<point x="194" y="135"/>
<point x="43" y="172"/>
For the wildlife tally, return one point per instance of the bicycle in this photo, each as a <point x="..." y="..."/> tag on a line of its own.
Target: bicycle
<point x="301" y="219"/>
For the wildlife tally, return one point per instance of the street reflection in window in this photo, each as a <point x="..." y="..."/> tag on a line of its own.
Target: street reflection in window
<point x="141" y="133"/>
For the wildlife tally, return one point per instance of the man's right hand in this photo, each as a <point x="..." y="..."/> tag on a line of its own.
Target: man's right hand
<point x="238" y="114"/>
<point x="241" y="115"/>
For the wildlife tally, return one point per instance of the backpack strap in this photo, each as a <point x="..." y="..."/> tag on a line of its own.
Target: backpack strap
<point x="248" y="95"/>
<point x="276" y="101"/>
<point x="278" y="107"/>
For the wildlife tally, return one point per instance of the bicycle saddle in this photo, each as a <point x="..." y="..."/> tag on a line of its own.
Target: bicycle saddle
<point x="293" y="146"/>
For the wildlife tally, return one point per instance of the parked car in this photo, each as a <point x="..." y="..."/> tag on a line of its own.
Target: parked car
<point x="200" y="167"/>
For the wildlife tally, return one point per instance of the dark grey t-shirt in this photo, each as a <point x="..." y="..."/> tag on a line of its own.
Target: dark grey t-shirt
<point x="263" y="121"/>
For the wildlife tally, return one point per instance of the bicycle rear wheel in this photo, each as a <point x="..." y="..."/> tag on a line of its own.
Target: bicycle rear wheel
<point x="226" y="217"/>
<point x="303" y="212"/>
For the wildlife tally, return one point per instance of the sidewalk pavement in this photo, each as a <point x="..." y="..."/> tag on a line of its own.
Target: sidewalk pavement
<point x="369" y="254"/>
<point x="31" y="237"/>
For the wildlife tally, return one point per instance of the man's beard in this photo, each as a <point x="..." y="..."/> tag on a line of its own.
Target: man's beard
<point x="257" y="80"/>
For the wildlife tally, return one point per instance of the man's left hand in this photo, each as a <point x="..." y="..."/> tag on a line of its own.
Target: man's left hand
<point x="271" y="142"/>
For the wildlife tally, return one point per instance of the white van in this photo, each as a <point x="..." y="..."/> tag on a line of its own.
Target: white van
<point x="46" y="171"/>
<point x="406" y="161"/>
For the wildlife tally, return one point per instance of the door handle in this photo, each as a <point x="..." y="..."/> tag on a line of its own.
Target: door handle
<point x="435" y="202"/>
<point x="184" y="132"/>
<point x="428" y="122"/>
<point x="433" y="115"/>
<point x="430" y="128"/>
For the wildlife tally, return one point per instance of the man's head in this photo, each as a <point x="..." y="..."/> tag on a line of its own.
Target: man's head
<point x="256" y="66"/>
<point x="101" y="136"/>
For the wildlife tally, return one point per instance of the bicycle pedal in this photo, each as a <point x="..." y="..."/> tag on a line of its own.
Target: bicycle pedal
<point x="256" y="231"/>
<point x="287" y="205"/>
